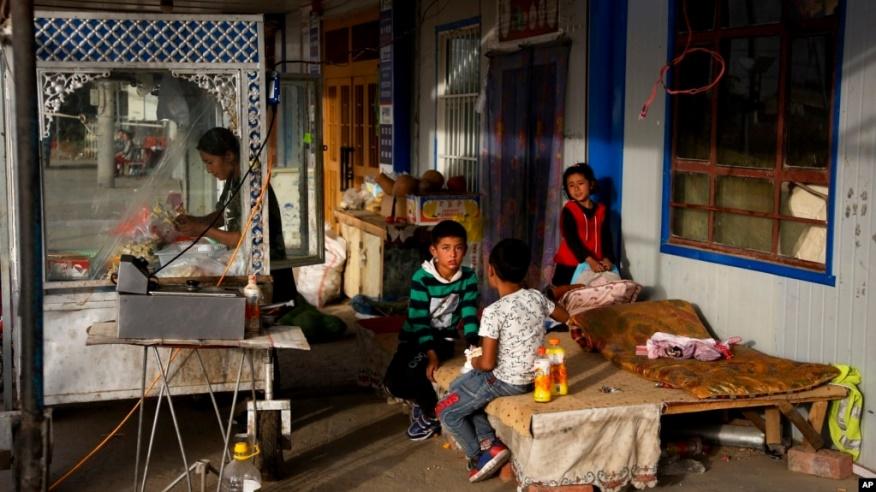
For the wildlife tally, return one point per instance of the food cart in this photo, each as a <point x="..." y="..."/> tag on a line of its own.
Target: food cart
<point x="123" y="99"/>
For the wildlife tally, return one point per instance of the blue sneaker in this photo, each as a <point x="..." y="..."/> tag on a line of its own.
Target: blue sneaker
<point x="422" y="427"/>
<point x="488" y="462"/>
<point x="416" y="413"/>
<point x="420" y="416"/>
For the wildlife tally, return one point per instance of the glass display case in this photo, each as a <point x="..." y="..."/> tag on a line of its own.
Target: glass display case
<point x="123" y="100"/>
<point x="119" y="162"/>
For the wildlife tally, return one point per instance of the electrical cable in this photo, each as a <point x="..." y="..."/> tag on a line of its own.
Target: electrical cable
<point x="256" y="207"/>
<point x="113" y="432"/>
<point x="676" y="61"/>
<point x="219" y="213"/>
<point x="252" y="213"/>
<point x="176" y="351"/>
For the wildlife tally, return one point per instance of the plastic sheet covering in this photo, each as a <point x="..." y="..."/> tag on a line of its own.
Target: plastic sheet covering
<point x="89" y="222"/>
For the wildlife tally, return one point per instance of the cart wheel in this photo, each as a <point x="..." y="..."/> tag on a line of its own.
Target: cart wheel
<point x="270" y="458"/>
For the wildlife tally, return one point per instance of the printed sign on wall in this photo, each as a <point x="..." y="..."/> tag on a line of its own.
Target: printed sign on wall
<point x="386" y="43"/>
<point x="313" y="40"/>
<point x="520" y="19"/>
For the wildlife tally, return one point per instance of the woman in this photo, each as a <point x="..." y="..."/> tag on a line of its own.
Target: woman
<point x="124" y="143"/>
<point x="220" y="152"/>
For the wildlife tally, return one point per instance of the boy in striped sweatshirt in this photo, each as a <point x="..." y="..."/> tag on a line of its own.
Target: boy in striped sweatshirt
<point x="443" y="294"/>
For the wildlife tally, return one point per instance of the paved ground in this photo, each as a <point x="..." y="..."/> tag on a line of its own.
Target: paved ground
<point x="351" y="441"/>
<point x="343" y="439"/>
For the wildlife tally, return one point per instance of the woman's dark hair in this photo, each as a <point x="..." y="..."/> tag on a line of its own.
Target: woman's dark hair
<point x="510" y="260"/>
<point x="218" y="141"/>
<point x="582" y="169"/>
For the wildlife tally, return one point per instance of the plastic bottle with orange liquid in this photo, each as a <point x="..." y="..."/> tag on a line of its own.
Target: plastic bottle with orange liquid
<point x="542" y="392"/>
<point x="559" y="374"/>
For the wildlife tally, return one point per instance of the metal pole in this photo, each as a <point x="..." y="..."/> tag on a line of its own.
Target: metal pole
<point x="166" y="387"/>
<point x="140" y="418"/>
<point x="28" y="443"/>
<point x="213" y="399"/>
<point x="106" y="117"/>
<point x="231" y="416"/>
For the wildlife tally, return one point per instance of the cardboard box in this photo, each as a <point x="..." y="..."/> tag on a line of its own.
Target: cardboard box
<point x="432" y="209"/>
<point x="473" y="256"/>
<point x="400" y="207"/>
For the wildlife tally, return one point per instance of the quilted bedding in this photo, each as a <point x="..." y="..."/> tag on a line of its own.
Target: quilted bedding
<point x="616" y="330"/>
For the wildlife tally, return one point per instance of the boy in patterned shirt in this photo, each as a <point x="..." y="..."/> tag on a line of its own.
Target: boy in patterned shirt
<point x="511" y="331"/>
<point x="443" y="294"/>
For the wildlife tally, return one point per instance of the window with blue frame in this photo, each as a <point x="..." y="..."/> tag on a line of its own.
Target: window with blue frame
<point x="750" y="160"/>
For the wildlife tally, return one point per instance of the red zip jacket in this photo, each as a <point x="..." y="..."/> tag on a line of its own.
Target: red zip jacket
<point x="589" y="233"/>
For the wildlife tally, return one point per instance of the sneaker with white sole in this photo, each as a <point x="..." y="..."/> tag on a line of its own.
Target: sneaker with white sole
<point x="488" y="462"/>
<point x="422" y="427"/>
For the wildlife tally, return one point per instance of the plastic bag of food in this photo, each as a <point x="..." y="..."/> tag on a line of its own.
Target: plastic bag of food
<point x="321" y="284"/>
<point x="355" y="199"/>
<point x="193" y="266"/>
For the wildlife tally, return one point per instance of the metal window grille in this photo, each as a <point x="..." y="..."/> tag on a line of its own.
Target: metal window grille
<point x="458" y="131"/>
<point x="737" y="165"/>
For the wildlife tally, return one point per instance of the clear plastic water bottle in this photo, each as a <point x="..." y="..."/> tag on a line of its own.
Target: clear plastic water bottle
<point x="241" y="475"/>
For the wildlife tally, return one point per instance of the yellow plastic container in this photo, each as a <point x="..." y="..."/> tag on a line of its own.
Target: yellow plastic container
<point x="542" y="392"/>
<point x="559" y="374"/>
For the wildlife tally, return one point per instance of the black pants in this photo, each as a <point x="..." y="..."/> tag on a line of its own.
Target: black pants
<point x="284" y="285"/>
<point x="563" y="275"/>
<point x="406" y="375"/>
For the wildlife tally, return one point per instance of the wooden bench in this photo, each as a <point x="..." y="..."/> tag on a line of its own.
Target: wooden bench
<point x="596" y="385"/>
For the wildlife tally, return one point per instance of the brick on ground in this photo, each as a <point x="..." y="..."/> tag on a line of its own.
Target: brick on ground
<point x="506" y="474"/>
<point x="826" y="463"/>
<point x="562" y="488"/>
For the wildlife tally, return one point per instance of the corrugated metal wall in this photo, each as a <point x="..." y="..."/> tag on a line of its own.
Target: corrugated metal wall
<point x="786" y="317"/>
<point x="839" y="324"/>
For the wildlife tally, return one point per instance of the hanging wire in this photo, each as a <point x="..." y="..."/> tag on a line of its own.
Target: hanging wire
<point x="677" y="61"/>
<point x="254" y="162"/>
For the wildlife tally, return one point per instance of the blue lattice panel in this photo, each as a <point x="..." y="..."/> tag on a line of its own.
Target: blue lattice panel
<point x="62" y="39"/>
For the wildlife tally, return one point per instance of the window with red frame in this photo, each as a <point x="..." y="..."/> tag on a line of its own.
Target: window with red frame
<point x="751" y="158"/>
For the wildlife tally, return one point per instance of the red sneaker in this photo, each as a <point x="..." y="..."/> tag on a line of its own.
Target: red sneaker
<point x="489" y="462"/>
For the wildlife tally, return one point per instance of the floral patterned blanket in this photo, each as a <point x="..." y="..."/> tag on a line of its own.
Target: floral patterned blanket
<point x="616" y="330"/>
<point x="576" y="299"/>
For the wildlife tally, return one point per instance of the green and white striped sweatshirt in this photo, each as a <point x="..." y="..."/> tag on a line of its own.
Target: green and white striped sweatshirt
<point x="437" y="305"/>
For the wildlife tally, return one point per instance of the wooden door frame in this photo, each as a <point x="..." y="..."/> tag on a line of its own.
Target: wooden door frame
<point x="343" y="75"/>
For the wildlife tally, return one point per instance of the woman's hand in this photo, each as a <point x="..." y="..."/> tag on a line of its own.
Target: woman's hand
<point x="595" y="265"/>
<point x="607" y="264"/>
<point x="188" y="225"/>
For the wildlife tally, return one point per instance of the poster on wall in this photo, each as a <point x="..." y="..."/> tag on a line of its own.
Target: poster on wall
<point x="386" y="43"/>
<point x="519" y="19"/>
<point x="313" y="40"/>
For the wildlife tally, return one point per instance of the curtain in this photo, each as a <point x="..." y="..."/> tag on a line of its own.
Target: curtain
<point x="522" y="155"/>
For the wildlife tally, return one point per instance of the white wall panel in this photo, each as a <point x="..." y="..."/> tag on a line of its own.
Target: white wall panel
<point x="854" y="241"/>
<point x="786" y="317"/>
<point x="647" y="26"/>
<point x="426" y="64"/>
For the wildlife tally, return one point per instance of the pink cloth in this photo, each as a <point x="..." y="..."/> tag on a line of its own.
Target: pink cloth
<point x="599" y="293"/>
<point x="679" y="347"/>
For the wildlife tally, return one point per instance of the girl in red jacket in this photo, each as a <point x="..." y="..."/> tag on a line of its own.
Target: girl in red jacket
<point x="582" y="227"/>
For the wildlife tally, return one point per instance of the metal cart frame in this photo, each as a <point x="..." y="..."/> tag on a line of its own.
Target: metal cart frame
<point x="224" y="55"/>
<point x="281" y="337"/>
